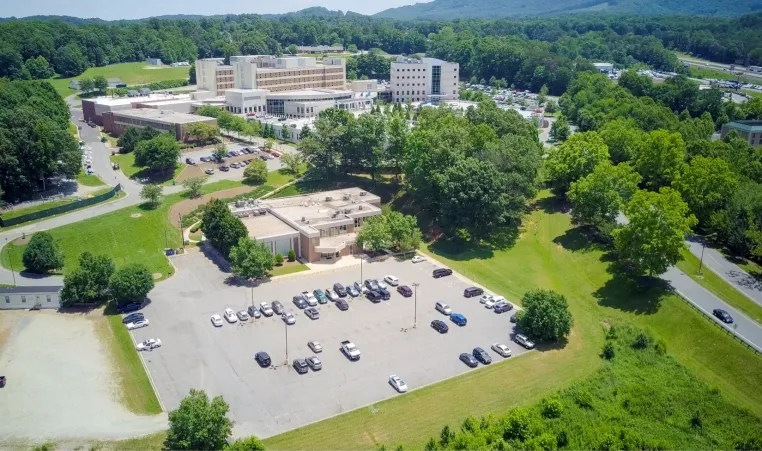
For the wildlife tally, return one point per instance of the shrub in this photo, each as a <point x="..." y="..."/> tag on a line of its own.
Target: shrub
<point x="546" y="315"/>
<point x="278" y="259"/>
<point x="583" y="398"/>
<point x="696" y="421"/>
<point x="552" y="407"/>
<point x="291" y="256"/>
<point x="661" y="347"/>
<point x="608" y="351"/>
<point x="562" y="439"/>
<point x="642" y="340"/>
<point x="195" y="228"/>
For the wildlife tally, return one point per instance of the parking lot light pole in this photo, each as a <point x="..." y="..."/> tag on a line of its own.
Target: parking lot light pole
<point x="415" y="315"/>
<point x="10" y="258"/>
<point x="285" y="325"/>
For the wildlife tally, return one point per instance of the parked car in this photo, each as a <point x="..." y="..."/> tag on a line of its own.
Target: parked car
<point x="404" y="290"/>
<point x="342" y="305"/>
<point x="391" y="280"/>
<point x="489" y="304"/>
<point x="397" y="383"/>
<point x="190" y="161"/>
<point x="382" y="284"/>
<point x="340" y="290"/>
<point x="469" y="360"/>
<point x="501" y="307"/>
<point x="137" y="324"/>
<point x="216" y="320"/>
<point x="440" y="326"/>
<point x="513" y="318"/>
<point x="209" y="171"/>
<point x="472" y="291"/>
<point x="360" y="287"/>
<point x="352" y="291"/>
<point x="132" y="317"/>
<point x="266" y="309"/>
<point x="314" y="363"/>
<point x="233" y="165"/>
<point x="723" y="316"/>
<point x="501" y="349"/>
<point x="315" y="346"/>
<point x="524" y="341"/>
<point x="131" y="307"/>
<point x="301" y="366"/>
<point x="441" y="272"/>
<point x="230" y="315"/>
<point x="385" y="295"/>
<point x="458" y="319"/>
<point x="371" y="284"/>
<point x="289" y="318"/>
<point x="242" y="315"/>
<point x="2" y="381"/>
<point x="310" y="298"/>
<point x="224" y="168"/>
<point x="482" y="356"/>
<point x="350" y="350"/>
<point x="263" y="359"/>
<point x="148" y="345"/>
<point x="254" y="312"/>
<point x="300" y="303"/>
<point x="418" y="259"/>
<point x="312" y="313"/>
<point x="332" y="295"/>
<point x="374" y="296"/>
<point x="205" y="159"/>
<point x="443" y="308"/>
<point x="278" y="307"/>
<point x="320" y="295"/>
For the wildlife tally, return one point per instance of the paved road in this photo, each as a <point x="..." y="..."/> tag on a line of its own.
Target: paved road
<point x="735" y="276"/>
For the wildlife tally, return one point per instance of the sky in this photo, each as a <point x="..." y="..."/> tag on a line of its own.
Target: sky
<point x="136" y="9"/>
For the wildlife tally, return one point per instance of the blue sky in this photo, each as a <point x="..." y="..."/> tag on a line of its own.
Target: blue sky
<point x="135" y="9"/>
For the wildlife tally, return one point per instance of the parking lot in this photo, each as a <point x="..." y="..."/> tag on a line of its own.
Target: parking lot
<point x="234" y="173"/>
<point x="266" y="402"/>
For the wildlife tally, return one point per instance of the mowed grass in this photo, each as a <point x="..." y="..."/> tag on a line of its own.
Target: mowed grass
<point x="126" y="162"/>
<point x="548" y="254"/>
<point x="8" y="214"/>
<point x="288" y="269"/>
<point x="89" y="179"/>
<point x="130" y="73"/>
<point x="717" y="285"/>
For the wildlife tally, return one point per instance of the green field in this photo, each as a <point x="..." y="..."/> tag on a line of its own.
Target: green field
<point x="130" y="73"/>
<point x="126" y="162"/>
<point x="718" y="74"/>
<point x="549" y="253"/>
<point x="35" y="208"/>
<point x="89" y="179"/>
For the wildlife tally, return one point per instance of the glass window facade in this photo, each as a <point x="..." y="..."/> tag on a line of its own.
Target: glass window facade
<point x="436" y="79"/>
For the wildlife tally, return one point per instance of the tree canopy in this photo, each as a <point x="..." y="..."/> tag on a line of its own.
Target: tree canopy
<point x="222" y="228"/>
<point x="251" y="259"/>
<point x="576" y="158"/>
<point x="89" y="282"/>
<point x="160" y="153"/>
<point x="42" y="254"/>
<point x="131" y="283"/>
<point x="199" y="423"/>
<point x="545" y="315"/>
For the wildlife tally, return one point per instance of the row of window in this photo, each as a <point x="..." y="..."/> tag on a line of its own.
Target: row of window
<point x="23" y="299"/>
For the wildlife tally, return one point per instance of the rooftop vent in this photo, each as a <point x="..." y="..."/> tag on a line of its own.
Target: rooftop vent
<point x="304" y="219"/>
<point x="359" y="207"/>
<point x="328" y="198"/>
<point x="362" y="193"/>
<point x="346" y="197"/>
<point x="347" y="211"/>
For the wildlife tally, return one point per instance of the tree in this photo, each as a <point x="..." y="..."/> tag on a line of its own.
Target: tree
<point x="707" y="185"/>
<point x="250" y="259"/>
<point x="89" y="282"/>
<point x="575" y="159"/>
<point x="404" y="234"/>
<point x="654" y="237"/>
<point x="220" y="152"/>
<point x="202" y="131"/>
<point x="130" y="283"/>
<point x="69" y="61"/>
<point x="152" y="194"/>
<point x="86" y="84"/>
<point x="250" y="443"/>
<point x="293" y="162"/>
<point x="559" y="130"/>
<point x="132" y="136"/>
<point x="209" y="111"/>
<point x="39" y="68"/>
<point x="100" y="83"/>
<point x="256" y="172"/>
<point x="351" y="48"/>
<point x="193" y="185"/>
<point x="42" y="254"/>
<point x="292" y="49"/>
<point x="192" y="74"/>
<point x="546" y="315"/>
<point x="160" y="153"/>
<point x="199" y="424"/>
<point x="397" y="137"/>
<point x="598" y="198"/>
<point x="374" y="234"/>
<point x="543" y="96"/>
<point x="621" y="136"/>
<point x="12" y="64"/>
<point x="222" y="228"/>
<point x="659" y="158"/>
<point x="269" y="143"/>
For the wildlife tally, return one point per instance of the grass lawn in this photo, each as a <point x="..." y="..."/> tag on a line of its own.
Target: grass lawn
<point x="35" y="208"/>
<point x="73" y="130"/>
<point x="126" y="163"/>
<point x="130" y="73"/>
<point x="717" y="285"/>
<point x="288" y="269"/>
<point x="719" y="74"/>
<point x="550" y="254"/>
<point x="89" y="179"/>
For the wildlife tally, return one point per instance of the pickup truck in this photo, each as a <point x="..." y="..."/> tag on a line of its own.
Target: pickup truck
<point x="350" y="350"/>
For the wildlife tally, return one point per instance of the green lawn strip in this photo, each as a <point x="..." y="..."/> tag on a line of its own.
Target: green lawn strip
<point x="288" y="269"/>
<point x="73" y="130"/>
<point x="718" y="74"/>
<point x="119" y="195"/>
<point x="38" y="207"/>
<point x="717" y="285"/>
<point x="130" y="73"/>
<point x="126" y="163"/>
<point x="153" y="442"/>
<point x="89" y="179"/>
<point x="135" y="388"/>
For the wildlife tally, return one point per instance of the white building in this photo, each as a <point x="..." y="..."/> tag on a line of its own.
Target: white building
<point x="604" y="68"/>
<point x="28" y="297"/>
<point x="154" y="61"/>
<point x="423" y="80"/>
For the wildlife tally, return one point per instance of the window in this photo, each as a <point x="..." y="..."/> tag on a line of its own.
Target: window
<point x="23" y="299"/>
<point x="48" y="298"/>
<point x="8" y="298"/>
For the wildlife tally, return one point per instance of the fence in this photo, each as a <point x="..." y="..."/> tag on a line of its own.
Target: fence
<point x="61" y="208"/>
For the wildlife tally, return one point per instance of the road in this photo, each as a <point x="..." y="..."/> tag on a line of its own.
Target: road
<point x="719" y="66"/>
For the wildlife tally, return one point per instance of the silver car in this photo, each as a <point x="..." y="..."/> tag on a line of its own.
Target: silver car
<point x="289" y="318"/>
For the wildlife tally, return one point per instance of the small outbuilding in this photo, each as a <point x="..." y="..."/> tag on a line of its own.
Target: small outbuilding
<point x="47" y="297"/>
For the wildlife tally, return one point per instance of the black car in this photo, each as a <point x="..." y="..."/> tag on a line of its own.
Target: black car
<point x="342" y="305"/>
<point x="312" y="312"/>
<point x="440" y="326"/>
<point x="472" y="291"/>
<point x="131" y="307"/>
<point x="385" y="295"/>
<point x="404" y="290"/>
<point x="374" y="296"/>
<point x="340" y="290"/>
<point x="482" y="356"/>
<point x="371" y="284"/>
<point x="263" y="359"/>
<point x="190" y="161"/>
<point x="469" y="360"/>
<point x="300" y="302"/>
<point x="501" y="307"/>
<point x="723" y="316"/>
<point x="513" y="318"/>
<point x="131" y="318"/>
<point x="224" y="168"/>
<point x="441" y="272"/>
<point x="301" y="366"/>
<point x="277" y="307"/>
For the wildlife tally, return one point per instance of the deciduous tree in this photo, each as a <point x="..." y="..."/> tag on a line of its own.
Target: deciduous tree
<point x="707" y="185"/>
<point x="222" y="228"/>
<point x="659" y="158"/>
<point x="131" y="283"/>
<point x="199" y="423"/>
<point x="293" y="162"/>
<point x="194" y="185"/>
<point x="546" y="315"/>
<point x="100" y="83"/>
<point x="575" y="159"/>
<point x="256" y="172"/>
<point x="151" y="193"/>
<point x="160" y="153"/>
<point x="404" y="233"/>
<point x="622" y="136"/>
<point x="250" y="259"/>
<point x="250" y="443"/>
<point x="89" y="282"/>
<point x="42" y="254"/>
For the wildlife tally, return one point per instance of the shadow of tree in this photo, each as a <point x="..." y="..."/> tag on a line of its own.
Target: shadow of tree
<point x="641" y="295"/>
<point x="148" y="206"/>
<point x="215" y="257"/>
<point x="153" y="176"/>
<point x="551" y="204"/>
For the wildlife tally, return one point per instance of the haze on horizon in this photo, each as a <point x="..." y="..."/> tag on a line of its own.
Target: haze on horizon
<point x="138" y="9"/>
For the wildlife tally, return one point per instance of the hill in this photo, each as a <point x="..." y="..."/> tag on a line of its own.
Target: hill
<point x="458" y="9"/>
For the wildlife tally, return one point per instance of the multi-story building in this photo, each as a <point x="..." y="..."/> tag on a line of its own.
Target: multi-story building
<point x="423" y="80"/>
<point x="214" y="76"/>
<point x="750" y="131"/>
<point x="116" y="122"/>
<point x="287" y="74"/>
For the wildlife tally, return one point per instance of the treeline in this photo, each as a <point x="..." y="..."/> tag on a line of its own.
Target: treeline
<point x="35" y="142"/>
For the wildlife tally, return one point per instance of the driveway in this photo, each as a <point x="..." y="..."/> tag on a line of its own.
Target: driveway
<point x="266" y="402"/>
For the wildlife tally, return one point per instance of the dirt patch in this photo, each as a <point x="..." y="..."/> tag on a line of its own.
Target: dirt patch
<point x="186" y="206"/>
<point x="189" y="172"/>
<point x="136" y="215"/>
<point x="157" y="275"/>
<point x="22" y="241"/>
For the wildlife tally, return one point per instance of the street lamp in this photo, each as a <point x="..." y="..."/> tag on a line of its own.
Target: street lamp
<point x="703" y="246"/>
<point x="415" y="315"/>
<point x="285" y="325"/>
<point x="10" y="257"/>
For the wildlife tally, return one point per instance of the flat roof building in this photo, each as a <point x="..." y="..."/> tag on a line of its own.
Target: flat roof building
<point x="750" y="131"/>
<point x="317" y="227"/>
<point x="93" y="109"/>
<point x="423" y="80"/>
<point x="116" y="122"/>
<point x="214" y="76"/>
<point x="47" y="297"/>
<point x="320" y="49"/>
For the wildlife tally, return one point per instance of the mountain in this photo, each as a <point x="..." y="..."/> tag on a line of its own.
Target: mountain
<point x="459" y="9"/>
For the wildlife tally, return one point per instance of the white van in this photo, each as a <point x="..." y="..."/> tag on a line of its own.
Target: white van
<point x="443" y="308"/>
<point x="391" y="280"/>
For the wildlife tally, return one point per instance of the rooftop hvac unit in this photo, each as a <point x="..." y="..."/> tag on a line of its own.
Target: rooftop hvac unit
<point x="346" y="197"/>
<point x="328" y="198"/>
<point x="347" y="211"/>
<point x="362" y="193"/>
<point x="304" y="219"/>
<point x="359" y="207"/>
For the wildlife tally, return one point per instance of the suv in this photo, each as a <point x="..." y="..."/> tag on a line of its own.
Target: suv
<point x="441" y="272"/>
<point x="385" y="295"/>
<point x="342" y="305"/>
<point x="502" y="306"/>
<point x="312" y="313"/>
<point x="458" y="319"/>
<point x="482" y="356"/>
<point x="374" y="296"/>
<point x="277" y="307"/>
<point x="301" y="366"/>
<point x="300" y="302"/>
<point x="472" y="291"/>
<point x="443" y="308"/>
<point x="524" y="341"/>
<point x="371" y="284"/>
<point x="263" y="359"/>
<point x="340" y="290"/>
<point x="321" y="297"/>
<point x="404" y="290"/>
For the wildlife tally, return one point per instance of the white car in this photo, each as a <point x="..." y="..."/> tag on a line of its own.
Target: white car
<point x="485" y="298"/>
<point x="310" y="298"/>
<point x="524" y="341"/>
<point x="230" y="315"/>
<point x="443" y="308"/>
<point x="398" y="384"/>
<point x="266" y="309"/>
<point x="332" y="294"/>
<point x="148" y="345"/>
<point x="137" y="324"/>
<point x="381" y="284"/>
<point x="315" y="346"/>
<point x="418" y="259"/>
<point x="217" y="320"/>
<point x="391" y="280"/>
<point x="501" y="349"/>
<point x="289" y="318"/>
<point x="489" y="303"/>
<point x="242" y="315"/>
<point x="499" y="299"/>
